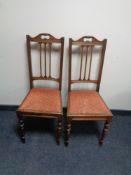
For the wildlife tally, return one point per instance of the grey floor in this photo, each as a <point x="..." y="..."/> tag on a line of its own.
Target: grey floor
<point x="40" y="155"/>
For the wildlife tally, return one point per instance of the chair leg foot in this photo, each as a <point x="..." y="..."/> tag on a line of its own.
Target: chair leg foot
<point x="59" y="130"/>
<point x="22" y="129"/>
<point x="104" y="132"/>
<point x="23" y="140"/>
<point x="68" y="132"/>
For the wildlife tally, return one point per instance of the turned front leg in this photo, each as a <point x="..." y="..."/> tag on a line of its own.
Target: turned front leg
<point x="21" y="128"/>
<point x="104" y="132"/>
<point x="59" y="129"/>
<point x="68" y="131"/>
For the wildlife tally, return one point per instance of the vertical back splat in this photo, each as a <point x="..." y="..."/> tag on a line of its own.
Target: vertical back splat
<point x="81" y="63"/>
<point x="91" y="50"/>
<point x="86" y="62"/>
<point x="45" y="59"/>
<point x="40" y="61"/>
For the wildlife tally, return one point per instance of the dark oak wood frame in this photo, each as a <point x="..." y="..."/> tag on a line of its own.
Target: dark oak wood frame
<point x="43" y="38"/>
<point x="86" y="41"/>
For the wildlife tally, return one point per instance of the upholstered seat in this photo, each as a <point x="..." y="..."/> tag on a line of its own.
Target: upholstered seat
<point x="86" y="103"/>
<point x="42" y="100"/>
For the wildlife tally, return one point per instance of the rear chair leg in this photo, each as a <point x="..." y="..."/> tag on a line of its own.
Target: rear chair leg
<point x="68" y="131"/>
<point x="59" y="129"/>
<point x="104" y="132"/>
<point x="21" y="129"/>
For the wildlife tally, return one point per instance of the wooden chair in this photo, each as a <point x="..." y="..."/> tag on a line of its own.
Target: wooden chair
<point x="84" y="105"/>
<point x="43" y="102"/>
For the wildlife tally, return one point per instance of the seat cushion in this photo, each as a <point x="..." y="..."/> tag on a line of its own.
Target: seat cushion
<point x="42" y="100"/>
<point x="86" y="103"/>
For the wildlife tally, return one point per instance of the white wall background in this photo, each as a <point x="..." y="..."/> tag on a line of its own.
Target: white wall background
<point x="103" y="19"/>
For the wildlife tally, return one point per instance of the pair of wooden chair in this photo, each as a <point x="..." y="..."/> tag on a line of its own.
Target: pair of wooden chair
<point x="83" y="105"/>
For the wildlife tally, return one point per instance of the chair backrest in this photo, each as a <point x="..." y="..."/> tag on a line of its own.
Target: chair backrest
<point x="88" y="47"/>
<point x="44" y="43"/>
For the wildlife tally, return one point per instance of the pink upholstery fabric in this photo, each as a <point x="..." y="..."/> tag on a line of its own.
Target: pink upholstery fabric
<point x="86" y="103"/>
<point x="42" y="100"/>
